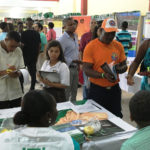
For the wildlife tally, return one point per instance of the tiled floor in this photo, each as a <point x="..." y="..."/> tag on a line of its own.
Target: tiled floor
<point x="125" y="101"/>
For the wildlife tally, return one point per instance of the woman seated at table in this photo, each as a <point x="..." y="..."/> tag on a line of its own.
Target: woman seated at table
<point x="38" y="112"/>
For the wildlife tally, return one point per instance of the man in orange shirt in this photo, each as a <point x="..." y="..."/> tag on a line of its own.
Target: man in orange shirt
<point x="104" y="88"/>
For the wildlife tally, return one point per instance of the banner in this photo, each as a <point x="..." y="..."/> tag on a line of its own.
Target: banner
<point x="83" y="25"/>
<point x="133" y="20"/>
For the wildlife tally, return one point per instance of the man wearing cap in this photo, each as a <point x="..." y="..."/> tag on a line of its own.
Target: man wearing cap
<point x="104" y="88"/>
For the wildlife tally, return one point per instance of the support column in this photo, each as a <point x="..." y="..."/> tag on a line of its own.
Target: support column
<point x="84" y="5"/>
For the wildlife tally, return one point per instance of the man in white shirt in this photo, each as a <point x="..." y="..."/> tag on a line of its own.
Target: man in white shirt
<point x="11" y="60"/>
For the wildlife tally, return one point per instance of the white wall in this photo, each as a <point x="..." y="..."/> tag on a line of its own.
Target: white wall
<point x="97" y="7"/>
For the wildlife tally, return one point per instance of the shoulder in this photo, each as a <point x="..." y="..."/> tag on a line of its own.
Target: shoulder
<point x="127" y="145"/>
<point x="93" y="43"/>
<point x="18" y="51"/>
<point x="63" y="65"/>
<point x="117" y="44"/>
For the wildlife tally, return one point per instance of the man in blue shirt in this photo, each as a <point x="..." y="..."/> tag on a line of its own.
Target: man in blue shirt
<point x="69" y="43"/>
<point x="140" y="113"/>
<point x="124" y="37"/>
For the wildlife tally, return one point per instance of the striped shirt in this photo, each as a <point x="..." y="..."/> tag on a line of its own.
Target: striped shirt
<point x="139" y="141"/>
<point x="125" y="38"/>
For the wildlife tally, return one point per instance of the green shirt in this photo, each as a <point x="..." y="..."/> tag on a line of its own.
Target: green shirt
<point x="139" y="141"/>
<point x="43" y="40"/>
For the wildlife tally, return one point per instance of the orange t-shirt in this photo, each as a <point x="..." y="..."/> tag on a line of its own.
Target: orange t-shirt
<point x="97" y="53"/>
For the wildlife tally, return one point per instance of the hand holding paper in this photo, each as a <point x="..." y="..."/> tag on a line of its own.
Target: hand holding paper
<point x="110" y="73"/>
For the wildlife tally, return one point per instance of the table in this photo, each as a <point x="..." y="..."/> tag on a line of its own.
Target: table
<point x="131" y="89"/>
<point x="99" y="143"/>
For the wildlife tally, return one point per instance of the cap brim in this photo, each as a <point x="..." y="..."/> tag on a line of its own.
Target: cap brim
<point x="111" y="30"/>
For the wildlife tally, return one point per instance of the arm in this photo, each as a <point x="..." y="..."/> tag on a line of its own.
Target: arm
<point x="51" y="84"/>
<point x="121" y="67"/>
<point x="130" y="45"/>
<point x="140" y="56"/>
<point x="88" y="69"/>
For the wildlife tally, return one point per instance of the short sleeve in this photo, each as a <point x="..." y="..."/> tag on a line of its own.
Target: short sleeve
<point x="64" y="74"/>
<point x="21" y="60"/>
<point x="87" y="54"/>
<point x="126" y="146"/>
<point x="44" y="65"/>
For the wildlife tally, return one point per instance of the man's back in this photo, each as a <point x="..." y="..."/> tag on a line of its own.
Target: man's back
<point x="125" y="38"/>
<point x="139" y="141"/>
<point x="31" y="41"/>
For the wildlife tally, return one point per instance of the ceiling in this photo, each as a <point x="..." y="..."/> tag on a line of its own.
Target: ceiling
<point x="23" y="8"/>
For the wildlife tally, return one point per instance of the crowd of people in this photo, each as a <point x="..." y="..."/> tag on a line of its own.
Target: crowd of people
<point x="101" y="50"/>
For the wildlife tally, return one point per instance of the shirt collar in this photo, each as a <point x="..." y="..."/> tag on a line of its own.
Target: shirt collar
<point x="67" y="35"/>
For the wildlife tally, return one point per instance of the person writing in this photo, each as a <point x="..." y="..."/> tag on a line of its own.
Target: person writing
<point x="38" y="113"/>
<point x="56" y="63"/>
<point x="140" y="113"/>
<point x="11" y="61"/>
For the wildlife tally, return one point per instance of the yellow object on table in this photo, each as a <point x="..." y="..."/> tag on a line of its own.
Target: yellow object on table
<point x="89" y="130"/>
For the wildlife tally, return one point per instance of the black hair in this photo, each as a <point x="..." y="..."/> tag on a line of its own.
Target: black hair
<point x="13" y="35"/>
<point x="40" y="25"/>
<point x="55" y="43"/>
<point x="35" y="104"/>
<point x="20" y="23"/>
<point x="10" y="27"/>
<point x="29" y="19"/>
<point x="3" y="25"/>
<point x="51" y="25"/>
<point x="66" y="20"/>
<point x="76" y="21"/>
<point x="139" y="106"/>
<point x="124" y="24"/>
<point x="94" y="34"/>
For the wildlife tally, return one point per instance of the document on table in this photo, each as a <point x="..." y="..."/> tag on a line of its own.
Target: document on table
<point x="64" y="105"/>
<point x="9" y="113"/>
<point x="87" y="107"/>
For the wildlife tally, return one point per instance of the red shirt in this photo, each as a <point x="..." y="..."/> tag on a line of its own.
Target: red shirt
<point x="51" y="35"/>
<point x="85" y="39"/>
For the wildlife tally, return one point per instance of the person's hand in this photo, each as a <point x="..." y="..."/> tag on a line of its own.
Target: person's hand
<point x="77" y="61"/>
<point x="47" y="82"/>
<point x="14" y="74"/>
<point x="130" y="80"/>
<point x="39" y="77"/>
<point x="109" y="77"/>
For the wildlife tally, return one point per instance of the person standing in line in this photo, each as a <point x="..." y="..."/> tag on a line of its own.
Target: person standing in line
<point x="4" y="28"/>
<point x="11" y="61"/>
<point x="51" y="34"/>
<point x="85" y="39"/>
<point x="20" y="27"/>
<point x="69" y="43"/>
<point x="140" y="113"/>
<point x="104" y="87"/>
<point x="31" y="44"/>
<point x="124" y="37"/>
<point x="38" y="27"/>
<point x="56" y="63"/>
